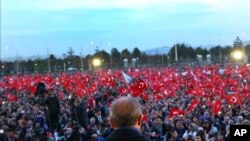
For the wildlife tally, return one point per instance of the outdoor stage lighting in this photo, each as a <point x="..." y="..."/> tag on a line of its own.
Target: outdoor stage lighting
<point x="96" y="62"/>
<point x="237" y="55"/>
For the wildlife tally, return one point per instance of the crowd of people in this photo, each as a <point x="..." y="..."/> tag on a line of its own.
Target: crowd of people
<point x="191" y="103"/>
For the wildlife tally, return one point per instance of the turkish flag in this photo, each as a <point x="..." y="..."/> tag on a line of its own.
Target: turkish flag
<point x="145" y="96"/>
<point x="91" y="102"/>
<point x="193" y="105"/>
<point x="82" y="92"/>
<point x="92" y="89"/>
<point x="85" y="79"/>
<point x="168" y="93"/>
<point x="175" y="112"/>
<point x="11" y="98"/>
<point x="138" y="87"/>
<point x="123" y="90"/>
<point x="107" y="80"/>
<point x="233" y="99"/>
<point x="216" y="106"/>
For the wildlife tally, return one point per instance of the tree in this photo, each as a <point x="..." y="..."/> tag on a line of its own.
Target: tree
<point x="198" y="51"/>
<point x="136" y="53"/>
<point x="115" y="57"/>
<point x="103" y="56"/>
<point x="226" y="51"/>
<point x="201" y="51"/>
<point x="70" y="52"/>
<point x="238" y="43"/>
<point x="191" y="53"/>
<point x="215" y="51"/>
<point x="71" y="58"/>
<point x="247" y="50"/>
<point x="144" y="58"/>
<point x="40" y="65"/>
<point x="53" y="62"/>
<point x="125" y="54"/>
<point x="184" y="52"/>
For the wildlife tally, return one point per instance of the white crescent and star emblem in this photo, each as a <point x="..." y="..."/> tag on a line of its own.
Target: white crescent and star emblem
<point x="124" y="91"/>
<point x="175" y="113"/>
<point x="233" y="99"/>
<point x="141" y="85"/>
<point x="86" y="79"/>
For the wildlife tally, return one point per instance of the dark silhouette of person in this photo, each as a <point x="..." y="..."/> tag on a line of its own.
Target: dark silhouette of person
<point x="126" y="120"/>
<point x="53" y="112"/>
<point x="80" y="112"/>
<point x="40" y="93"/>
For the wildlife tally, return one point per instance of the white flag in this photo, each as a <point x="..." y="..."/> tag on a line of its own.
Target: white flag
<point x="126" y="77"/>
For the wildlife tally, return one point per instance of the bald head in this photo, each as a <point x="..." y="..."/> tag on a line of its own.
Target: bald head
<point x="125" y="111"/>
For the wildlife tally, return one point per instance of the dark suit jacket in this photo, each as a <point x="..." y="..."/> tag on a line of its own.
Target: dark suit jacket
<point x="126" y="134"/>
<point x="81" y="114"/>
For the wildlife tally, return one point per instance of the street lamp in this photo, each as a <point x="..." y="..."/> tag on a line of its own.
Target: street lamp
<point x="96" y="62"/>
<point x="237" y="55"/>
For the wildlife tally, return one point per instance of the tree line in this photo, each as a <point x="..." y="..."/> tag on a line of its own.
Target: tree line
<point x="186" y="54"/>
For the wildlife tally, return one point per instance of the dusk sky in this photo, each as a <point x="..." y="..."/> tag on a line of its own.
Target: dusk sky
<point x="29" y="27"/>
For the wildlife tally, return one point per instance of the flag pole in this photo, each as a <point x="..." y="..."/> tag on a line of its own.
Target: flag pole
<point x="81" y="59"/>
<point x="176" y="55"/>
<point x="49" y="69"/>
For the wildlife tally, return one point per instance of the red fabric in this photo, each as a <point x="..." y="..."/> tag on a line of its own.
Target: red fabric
<point x="216" y="106"/>
<point x="193" y="105"/>
<point x="175" y="112"/>
<point x="11" y="98"/>
<point x="123" y="90"/>
<point x="233" y="99"/>
<point x="138" y="87"/>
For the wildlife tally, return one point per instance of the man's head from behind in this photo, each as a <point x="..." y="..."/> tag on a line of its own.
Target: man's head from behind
<point x="125" y="112"/>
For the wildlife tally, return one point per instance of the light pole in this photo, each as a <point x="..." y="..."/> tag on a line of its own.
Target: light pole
<point x="3" y="69"/>
<point x="244" y="49"/>
<point x="91" y="43"/>
<point x="64" y="67"/>
<point x="111" y="58"/>
<point x="137" y="62"/>
<point x="48" y="55"/>
<point x="176" y="54"/>
<point x="69" y="64"/>
<point x="81" y="59"/>
<point x="35" y="67"/>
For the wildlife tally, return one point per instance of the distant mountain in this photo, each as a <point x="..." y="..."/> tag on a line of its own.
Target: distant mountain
<point x="34" y="57"/>
<point x="155" y="51"/>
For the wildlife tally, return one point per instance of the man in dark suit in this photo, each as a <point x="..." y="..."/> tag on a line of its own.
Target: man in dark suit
<point x="126" y="119"/>
<point x="53" y="110"/>
<point x="98" y="116"/>
<point x="80" y="113"/>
